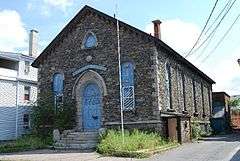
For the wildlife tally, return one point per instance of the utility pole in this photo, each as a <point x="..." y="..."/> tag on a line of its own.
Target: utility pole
<point x="120" y="74"/>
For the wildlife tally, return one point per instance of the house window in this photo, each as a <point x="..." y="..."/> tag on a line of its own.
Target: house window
<point x="27" y="93"/>
<point x="194" y="96"/>
<point x="203" y="106"/>
<point x="127" y="74"/>
<point x="27" y="67"/>
<point x="26" y="121"/>
<point x="169" y="86"/>
<point x="58" y="79"/>
<point x="90" y="41"/>
<point x="183" y="91"/>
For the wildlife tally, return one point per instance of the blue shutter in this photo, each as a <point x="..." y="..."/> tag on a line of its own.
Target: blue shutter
<point x="127" y="72"/>
<point x="58" y="84"/>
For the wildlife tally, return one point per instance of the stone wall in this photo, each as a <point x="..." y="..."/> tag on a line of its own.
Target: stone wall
<point x="178" y="70"/>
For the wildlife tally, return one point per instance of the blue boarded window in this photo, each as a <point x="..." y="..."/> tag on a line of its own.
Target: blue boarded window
<point x="168" y="86"/>
<point x="127" y="73"/>
<point x="90" y="40"/>
<point x="58" y="84"/>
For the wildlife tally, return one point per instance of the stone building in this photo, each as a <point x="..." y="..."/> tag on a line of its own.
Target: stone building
<point x="161" y="90"/>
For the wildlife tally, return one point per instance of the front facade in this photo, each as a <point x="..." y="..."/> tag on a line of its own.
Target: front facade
<point x="161" y="91"/>
<point x="18" y="90"/>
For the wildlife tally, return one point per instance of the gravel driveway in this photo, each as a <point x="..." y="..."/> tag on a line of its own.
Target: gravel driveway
<point x="220" y="148"/>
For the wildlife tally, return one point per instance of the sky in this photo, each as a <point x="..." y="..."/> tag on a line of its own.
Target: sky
<point x="182" y="22"/>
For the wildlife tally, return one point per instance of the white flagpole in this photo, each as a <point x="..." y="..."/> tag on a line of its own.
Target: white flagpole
<point x="120" y="74"/>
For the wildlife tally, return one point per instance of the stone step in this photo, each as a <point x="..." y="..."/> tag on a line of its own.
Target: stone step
<point x="84" y="146"/>
<point x="83" y="134"/>
<point x="77" y="141"/>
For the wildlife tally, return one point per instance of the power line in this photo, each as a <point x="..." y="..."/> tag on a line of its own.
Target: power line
<point x="202" y="29"/>
<point x="220" y="13"/>
<point x="221" y="40"/>
<point x="216" y="27"/>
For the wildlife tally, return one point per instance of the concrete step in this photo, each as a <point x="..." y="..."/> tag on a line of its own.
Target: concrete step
<point x="84" y="146"/>
<point x="77" y="141"/>
<point x="82" y="134"/>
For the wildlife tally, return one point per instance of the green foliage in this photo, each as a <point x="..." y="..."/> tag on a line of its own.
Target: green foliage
<point x="234" y="102"/>
<point x="196" y="130"/>
<point x="45" y="117"/>
<point x="28" y="142"/>
<point x="111" y="143"/>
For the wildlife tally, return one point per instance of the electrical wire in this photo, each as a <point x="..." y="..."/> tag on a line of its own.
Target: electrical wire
<point x="209" y="17"/>
<point x="221" y="40"/>
<point x="216" y="27"/>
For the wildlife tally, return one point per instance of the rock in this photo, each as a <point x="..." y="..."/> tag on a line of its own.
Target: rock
<point x="56" y="135"/>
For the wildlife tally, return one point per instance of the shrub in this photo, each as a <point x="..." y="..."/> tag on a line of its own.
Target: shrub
<point x="111" y="143"/>
<point x="28" y="142"/>
<point x="45" y="117"/>
<point x="196" y="130"/>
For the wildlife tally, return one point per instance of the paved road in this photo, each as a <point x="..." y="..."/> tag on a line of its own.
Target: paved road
<point x="220" y="148"/>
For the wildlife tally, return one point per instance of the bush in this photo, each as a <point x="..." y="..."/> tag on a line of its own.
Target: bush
<point x="28" y="142"/>
<point x="196" y="130"/>
<point x="45" y="117"/>
<point x="111" y="143"/>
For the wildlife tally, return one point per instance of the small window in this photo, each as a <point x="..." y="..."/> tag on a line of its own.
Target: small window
<point x="90" y="41"/>
<point x="127" y="73"/>
<point x="27" y="67"/>
<point x="26" y="121"/>
<point x="27" y="93"/>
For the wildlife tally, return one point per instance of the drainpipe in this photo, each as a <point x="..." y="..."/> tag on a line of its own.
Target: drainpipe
<point x="17" y="101"/>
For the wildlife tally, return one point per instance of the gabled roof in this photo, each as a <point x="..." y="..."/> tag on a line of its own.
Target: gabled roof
<point x="85" y="9"/>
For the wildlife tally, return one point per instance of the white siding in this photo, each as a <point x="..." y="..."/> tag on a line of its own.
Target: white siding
<point x="8" y="110"/>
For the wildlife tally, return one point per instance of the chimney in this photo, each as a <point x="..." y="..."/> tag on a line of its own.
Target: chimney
<point x="33" y="43"/>
<point x="157" y="30"/>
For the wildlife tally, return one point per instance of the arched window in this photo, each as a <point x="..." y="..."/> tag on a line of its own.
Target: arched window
<point x="90" y="40"/>
<point x="127" y="73"/>
<point x="168" y="86"/>
<point x="58" y="84"/>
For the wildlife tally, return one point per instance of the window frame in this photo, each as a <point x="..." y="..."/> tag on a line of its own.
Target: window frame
<point x="26" y="124"/>
<point x="127" y="80"/>
<point x="27" y="94"/>
<point x="26" y="67"/>
<point x="87" y="35"/>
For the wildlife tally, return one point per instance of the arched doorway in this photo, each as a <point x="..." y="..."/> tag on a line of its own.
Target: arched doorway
<point x="89" y="90"/>
<point x="91" y="105"/>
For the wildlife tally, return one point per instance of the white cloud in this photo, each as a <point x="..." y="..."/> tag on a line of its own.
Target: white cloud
<point x="12" y="31"/>
<point x="226" y="72"/>
<point x="178" y="34"/>
<point x="61" y="4"/>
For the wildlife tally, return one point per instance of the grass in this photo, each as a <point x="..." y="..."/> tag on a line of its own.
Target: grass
<point x="136" y="144"/>
<point x="28" y="142"/>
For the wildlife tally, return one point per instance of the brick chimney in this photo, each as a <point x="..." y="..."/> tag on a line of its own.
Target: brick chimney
<point x="33" y="43"/>
<point x="157" y="29"/>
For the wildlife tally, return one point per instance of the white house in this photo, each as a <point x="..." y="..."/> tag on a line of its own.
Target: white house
<point x="18" y="90"/>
